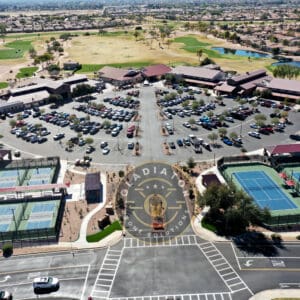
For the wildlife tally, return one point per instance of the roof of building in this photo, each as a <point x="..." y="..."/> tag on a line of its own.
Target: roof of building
<point x="74" y="78"/>
<point x="92" y="181"/>
<point x="118" y="73"/>
<point x="198" y="72"/>
<point x="253" y="83"/>
<point x="3" y="153"/>
<point x="156" y="70"/>
<point x="29" y="98"/>
<point x="209" y="179"/>
<point x="284" y="84"/>
<point x="225" y="87"/>
<point x="248" y="76"/>
<point x="287" y="148"/>
<point x="27" y="188"/>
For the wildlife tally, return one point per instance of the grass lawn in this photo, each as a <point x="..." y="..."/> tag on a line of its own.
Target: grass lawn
<point x="104" y="233"/>
<point x="15" y="49"/>
<point x="208" y="226"/>
<point x="26" y="72"/>
<point x="3" y="85"/>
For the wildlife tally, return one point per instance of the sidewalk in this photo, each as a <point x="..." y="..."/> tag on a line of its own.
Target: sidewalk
<point x="278" y="293"/>
<point x="203" y="232"/>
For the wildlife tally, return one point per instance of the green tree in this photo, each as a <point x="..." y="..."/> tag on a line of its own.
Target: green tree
<point x="199" y="54"/>
<point x="12" y="123"/>
<point x="212" y="137"/>
<point x="191" y="163"/>
<point x="233" y="135"/>
<point x="260" y="118"/>
<point x="192" y="121"/>
<point x="89" y="140"/>
<point x="222" y="132"/>
<point x="195" y="105"/>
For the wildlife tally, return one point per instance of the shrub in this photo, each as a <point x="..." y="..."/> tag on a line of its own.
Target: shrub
<point x="276" y="237"/>
<point x="7" y="249"/>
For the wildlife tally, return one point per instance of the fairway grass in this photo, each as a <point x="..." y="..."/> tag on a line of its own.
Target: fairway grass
<point x="120" y="49"/>
<point x="26" y="72"/>
<point x="15" y="49"/>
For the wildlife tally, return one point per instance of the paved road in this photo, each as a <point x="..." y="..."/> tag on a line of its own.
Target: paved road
<point x="184" y="267"/>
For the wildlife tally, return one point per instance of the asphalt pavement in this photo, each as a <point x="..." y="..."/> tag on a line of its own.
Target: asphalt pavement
<point x="150" y="138"/>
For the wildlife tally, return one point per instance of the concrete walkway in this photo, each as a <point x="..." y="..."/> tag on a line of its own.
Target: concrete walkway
<point x="82" y="243"/>
<point x="203" y="232"/>
<point x="277" y="293"/>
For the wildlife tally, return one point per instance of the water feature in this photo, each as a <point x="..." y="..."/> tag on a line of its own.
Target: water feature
<point x="240" y="52"/>
<point x="291" y="63"/>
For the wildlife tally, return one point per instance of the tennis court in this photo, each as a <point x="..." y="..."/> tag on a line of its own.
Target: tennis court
<point x="38" y="224"/>
<point x="263" y="190"/>
<point x="11" y="178"/>
<point x="6" y="216"/>
<point x="39" y="176"/>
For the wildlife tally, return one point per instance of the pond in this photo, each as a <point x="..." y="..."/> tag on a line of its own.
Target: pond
<point x="240" y="52"/>
<point x="291" y="63"/>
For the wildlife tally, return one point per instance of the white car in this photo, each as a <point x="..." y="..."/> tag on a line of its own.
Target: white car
<point x="253" y="125"/>
<point x="229" y="119"/>
<point x="105" y="151"/>
<point x="187" y="124"/>
<point x="254" y="134"/>
<point x="5" y="295"/>
<point x="45" y="284"/>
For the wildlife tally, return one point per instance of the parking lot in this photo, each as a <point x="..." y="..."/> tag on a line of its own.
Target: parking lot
<point x="139" y="130"/>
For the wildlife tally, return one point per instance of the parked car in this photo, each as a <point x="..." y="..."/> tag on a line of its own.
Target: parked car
<point x="172" y="145"/>
<point x="229" y="119"/>
<point x="105" y="151"/>
<point x="89" y="149"/>
<point x="254" y="126"/>
<point x="5" y="295"/>
<point x="58" y="136"/>
<point x="295" y="137"/>
<point x="179" y="142"/>
<point x="206" y="146"/>
<point x="103" y="145"/>
<point x="254" y="134"/>
<point x="227" y="141"/>
<point x="45" y="284"/>
<point x="130" y="146"/>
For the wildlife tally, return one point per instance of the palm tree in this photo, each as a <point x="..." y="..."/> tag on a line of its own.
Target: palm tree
<point x="199" y="54"/>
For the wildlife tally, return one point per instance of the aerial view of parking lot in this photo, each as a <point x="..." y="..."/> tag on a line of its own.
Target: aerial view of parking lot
<point x="149" y="150"/>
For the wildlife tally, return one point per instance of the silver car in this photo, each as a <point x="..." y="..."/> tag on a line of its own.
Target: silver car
<point x="45" y="284"/>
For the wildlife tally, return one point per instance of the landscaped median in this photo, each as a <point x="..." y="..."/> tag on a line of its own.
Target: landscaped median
<point x="93" y="238"/>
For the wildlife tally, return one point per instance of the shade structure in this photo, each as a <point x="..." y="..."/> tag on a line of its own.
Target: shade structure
<point x="283" y="175"/>
<point x="290" y="183"/>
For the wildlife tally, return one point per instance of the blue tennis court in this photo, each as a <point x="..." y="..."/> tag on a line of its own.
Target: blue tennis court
<point x="38" y="224"/>
<point x="7" y="210"/>
<point x="40" y="171"/>
<point x="7" y="184"/>
<point x="264" y="191"/>
<point x="38" y="181"/>
<point x="296" y="175"/>
<point x="4" y="227"/>
<point x="43" y="207"/>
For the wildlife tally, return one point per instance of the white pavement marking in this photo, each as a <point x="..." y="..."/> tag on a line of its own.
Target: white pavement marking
<point x="237" y="260"/>
<point x="85" y="282"/>
<point x="106" y="274"/>
<point x="165" y="241"/>
<point x="200" y="296"/>
<point x="223" y="268"/>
